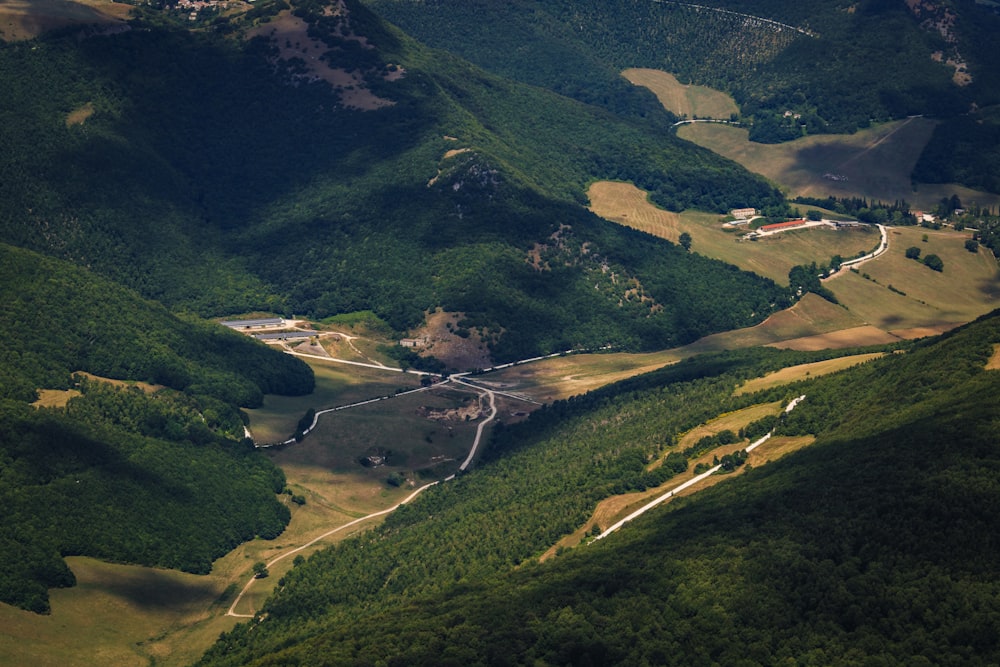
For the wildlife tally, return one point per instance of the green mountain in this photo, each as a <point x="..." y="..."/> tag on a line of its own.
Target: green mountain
<point x="874" y="545"/>
<point x="213" y="170"/>
<point x="833" y="66"/>
<point x="159" y="478"/>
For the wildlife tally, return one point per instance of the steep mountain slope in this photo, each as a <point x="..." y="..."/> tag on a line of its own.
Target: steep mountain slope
<point x="219" y="171"/>
<point x="159" y="476"/>
<point x="876" y="543"/>
<point x="794" y="68"/>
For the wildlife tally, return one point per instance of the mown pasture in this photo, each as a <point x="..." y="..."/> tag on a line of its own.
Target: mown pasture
<point x="804" y="372"/>
<point x="875" y="163"/>
<point x="772" y="256"/>
<point x="931" y="301"/>
<point x="683" y="99"/>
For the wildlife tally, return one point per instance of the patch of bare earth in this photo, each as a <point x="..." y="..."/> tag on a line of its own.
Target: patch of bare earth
<point x="994" y="363"/>
<point x="440" y="338"/>
<point x="290" y="34"/>
<point x="79" y="116"/>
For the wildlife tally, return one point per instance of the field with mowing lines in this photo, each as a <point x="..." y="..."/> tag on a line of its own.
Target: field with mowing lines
<point x="681" y="99"/>
<point x="803" y="372"/>
<point x="772" y="256"/>
<point x="875" y="163"/>
<point x="611" y="510"/>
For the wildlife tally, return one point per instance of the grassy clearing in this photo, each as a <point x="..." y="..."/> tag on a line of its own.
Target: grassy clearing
<point x="968" y="287"/>
<point x="804" y="371"/>
<point x="20" y="19"/>
<point x="55" y="398"/>
<point x="111" y="617"/>
<point x="80" y="115"/>
<point x="994" y="363"/>
<point x="611" y="510"/>
<point x="401" y="426"/>
<point x="732" y="421"/>
<point x="681" y="99"/>
<point x="336" y="384"/>
<point x="562" y="377"/>
<point x="874" y="163"/>
<point x="772" y="256"/>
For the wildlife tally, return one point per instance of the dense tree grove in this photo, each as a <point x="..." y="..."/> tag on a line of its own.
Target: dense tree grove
<point x="877" y="543"/>
<point x="317" y="209"/>
<point x="157" y="477"/>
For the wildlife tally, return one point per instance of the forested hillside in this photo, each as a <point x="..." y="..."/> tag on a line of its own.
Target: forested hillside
<point x="206" y="171"/>
<point x="157" y="477"/>
<point x="794" y="68"/>
<point x="876" y="543"/>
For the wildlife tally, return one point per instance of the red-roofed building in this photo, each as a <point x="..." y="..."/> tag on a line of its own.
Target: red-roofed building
<point x="782" y="225"/>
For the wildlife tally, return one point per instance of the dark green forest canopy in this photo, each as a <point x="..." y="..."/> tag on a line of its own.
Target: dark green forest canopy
<point x="205" y="181"/>
<point x="162" y="479"/>
<point x="878" y="542"/>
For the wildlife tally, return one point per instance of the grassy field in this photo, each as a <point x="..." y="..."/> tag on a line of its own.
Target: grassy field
<point x="21" y="19"/>
<point x="128" y="615"/>
<point x="874" y="163"/>
<point x="968" y="287"/>
<point x="803" y="372"/>
<point x="336" y="384"/>
<point x="772" y="256"/>
<point x="681" y="99"/>
<point x="611" y="510"/>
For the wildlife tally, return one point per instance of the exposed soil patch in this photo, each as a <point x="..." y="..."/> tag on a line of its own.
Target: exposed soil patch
<point x="306" y="57"/>
<point x="453" y="344"/>
<point x="994" y="363"/>
<point x="80" y="116"/>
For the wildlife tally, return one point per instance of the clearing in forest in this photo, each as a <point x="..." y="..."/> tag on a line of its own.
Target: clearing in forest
<point x="803" y="372"/>
<point x="683" y="99"/>
<point x="772" y="256"/>
<point x="24" y="19"/>
<point x="875" y="162"/>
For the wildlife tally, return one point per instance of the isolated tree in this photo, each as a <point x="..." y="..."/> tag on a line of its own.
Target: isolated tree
<point x="814" y="215"/>
<point x="913" y="252"/>
<point x="972" y="245"/>
<point x="260" y="570"/>
<point x="934" y="262"/>
<point x="685" y="241"/>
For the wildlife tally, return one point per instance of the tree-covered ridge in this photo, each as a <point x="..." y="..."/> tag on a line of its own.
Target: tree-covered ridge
<point x="157" y="479"/>
<point x="839" y="65"/>
<point x="877" y="543"/>
<point x="540" y="480"/>
<point x="204" y="180"/>
<point x="56" y="319"/>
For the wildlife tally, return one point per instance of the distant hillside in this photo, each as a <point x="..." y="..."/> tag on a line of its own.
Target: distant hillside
<point x="157" y="477"/>
<point x="875" y="544"/>
<point x="218" y="171"/>
<point x="794" y="68"/>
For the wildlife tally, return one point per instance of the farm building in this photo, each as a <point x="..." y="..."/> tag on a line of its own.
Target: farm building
<point x="255" y="324"/>
<point x="411" y="342"/>
<point x="285" y="335"/>
<point x="743" y="213"/>
<point x="791" y="224"/>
